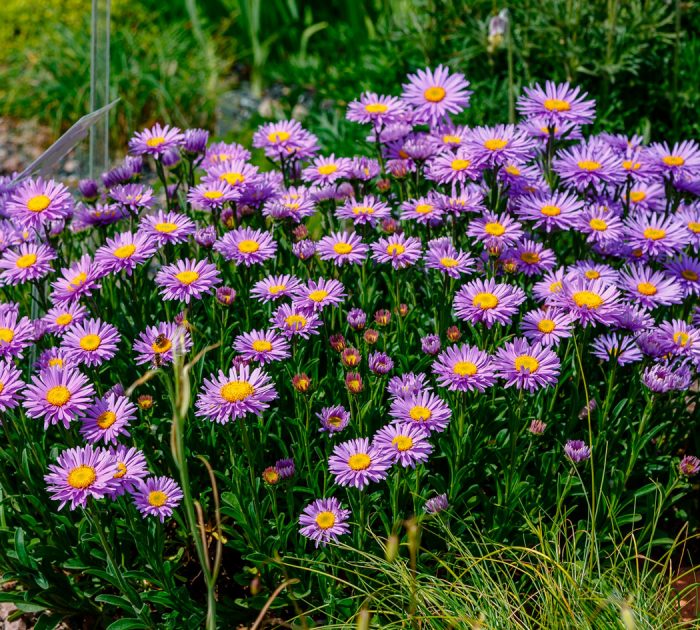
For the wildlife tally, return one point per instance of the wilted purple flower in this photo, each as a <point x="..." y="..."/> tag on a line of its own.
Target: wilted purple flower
<point x="436" y="504"/>
<point x="577" y="451"/>
<point x="689" y="466"/>
<point x="333" y="419"/>
<point x="357" y="318"/>
<point x="430" y="344"/>
<point x="380" y="363"/>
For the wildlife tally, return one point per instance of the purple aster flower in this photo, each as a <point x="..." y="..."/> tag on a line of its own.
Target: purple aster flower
<point x="645" y="196"/>
<point x="464" y="368"/>
<point x="274" y="288"/>
<point x="99" y="215"/>
<point x="209" y="195"/>
<point x="557" y="103"/>
<point x="316" y="295"/>
<point x="488" y="302"/>
<point x="462" y="166"/>
<point x="525" y="366"/>
<point x="364" y="169"/>
<point x="588" y="301"/>
<point x="225" y="296"/>
<point x="341" y="248"/>
<point x="375" y="109"/>
<point x="304" y="249"/>
<point x="246" y="246"/>
<point x="436" y="504"/>
<point x="133" y="196"/>
<point x="219" y="152"/>
<point x="285" y="139"/>
<point x="89" y="189"/>
<point x="424" y="409"/>
<point x="333" y="419"/>
<point x="187" y="279"/>
<point x="77" y="281"/>
<point x="132" y="468"/>
<point x="655" y="234"/>
<point x="421" y="210"/>
<point x="541" y="128"/>
<point x="681" y="159"/>
<point x="469" y="200"/>
<point x="35" y="202"/>
<point x="327" y="170"/>
<point x="237" y="174"/>
<point x="430" y="344"/>
<point x="357" y="463"/>
<point x="590" y="163"/>
<point x="557" y="210"/>
<point x="263" y="346"/>
<point x="633" y="318"/>
<point x="60" y="319"/>
<point x="167" y="227"/>
<point x="532" y="258"/>
<point x="689" y="466"/>
<point x="380" y="363"/>
<point x="435" y="94"/>
<point x="294" y="203"/>
<point x="127" y="170"/>
<point x="577" y="451"/>
<point x="689" y="217"/>
<point x="406" y="444"/>
<point x="107" y="419"/>
<point x="124" y="252"/>
<point x="406" y="385"/>
<point x="205" y="237"/>
<point x="686" y="272"/>
<point x="10" y="385"/>
<point x="495" y="231"/>
<point x="667" y="376"/>
<point x="16" y="333"/>
<point x="161" y="343"/>
<point x="614" y="347"/>
<point x="357" y="318"/>
<point x="195" y="141"/>
<point x="58" y="396"/>
<point x="648" y="287"/>
<point x="78" y="474"/>
<point x="399" y="250"/>
<point x="292" y="320"/>
<point x="449" y="137"/>
<point x="591" y="270"/>
<point x="600" y="225"/>
<point x="91" y="343"/>
<point x="225" y="397"/>
<point x="679" y="339"/>
<point x="53" y="358"/>
<point x="156" y="140"/>
<point x="499" y="145"/>
<point x="157" y="496"/>
<point x="546" y="326"/>
<point x="31" y="262"/>
<point x="324" y="520"/>
<point x="285" y="468"/>
<point x="445" y="257"/>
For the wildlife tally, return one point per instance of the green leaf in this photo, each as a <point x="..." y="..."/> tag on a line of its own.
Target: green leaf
<point x="116" y="600"/>
<point x="127" y="624"/>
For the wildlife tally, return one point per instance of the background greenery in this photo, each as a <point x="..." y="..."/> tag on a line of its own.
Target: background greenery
<point x="228" y="63"/>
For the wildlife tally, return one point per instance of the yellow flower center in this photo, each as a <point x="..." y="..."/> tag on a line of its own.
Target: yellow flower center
<point x="424" y="208"/>
<point x="376" y="108"/>
<point x="318" y="295"/>
<point x="295" y="320"/>
<point x="161" y="345"/>
<point x="681" y="338"/>
<point x="325" y="520"/>
<point x="363" y="210"/>
<point x="494" y="228"/>
<point x="598" y="225"/>
<point x="7" y="335"/>
<point x="526" y="362"/>
<point x="589" y="165"/>
<point x="494" y="144"/>
<point x="449" y="262"/>
<point x="513" y="170"/>
<point x="465" y="368"/>
<point x="550" y="211"/>
<point x="25" y="261"/>
<point x="213" y="194"/>
<point x="90" y="342"/>
<point x="395" y="249"/>
<point x="81" y="477"/>
<point x="637" y="195"/>
<point x="359" y="461"/>
<point x="402" y="443"/>
<point x="342" y="248"/>
<point x="248" y="246"/>
<point x="38" y="203"/>
<point x="587" y="299"/>
<point x="689" y="274"/>
<point x="327" y="169"/>
<point x="434" y="94"/>
<point x="460" y="164"/>
<point x="157" y="498"/>
<point x="121" y="470"/>
<point x="530" y="257"/>
<point x="555" y="287"/>
<point x="546" y="326"/>
<point x="420" y="413"/>
<point x="125" y="251"/>
<point x="56" y="362"/>
<point x="278" y="136"/>
<point x="673" y="160"/>
<point x="262" y="345"/>
<point x="334" y="421"/>
<point x="592" y="274"/>
<point x="654" y="234"/>
<point x="235" y="391"/>
<point x="450" y="139"/>
<point x="557" y="105"/>
<point x="58" y="396"/>
<point x="154" y="142"/>
<point x="79" y="280"/>
<point x="233" y="178"/>
<point x="694" y="226"/>
<point x="647" y="288"/>
<point x="64" y="319"/>
<point x="187" y="277"/>
<point x="630" y="165"/>
<point x="166" y="227"/>
<point x="276" y="288"/>
<point x="485" y="301"/>
<point x="106" y="419"/>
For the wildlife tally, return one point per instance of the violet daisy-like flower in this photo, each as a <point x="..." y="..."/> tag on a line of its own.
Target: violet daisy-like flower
<point x="274" y="288"/>
<point x="648" y="287"/>
<point x="533" y="258"/>
<point x="212" y="194"/>
<point x="316" y="295"/>
<point x="600" y="225"/>
<point x="449" y="137"/>
<point x="577" y="451"/>
<point x="399" y="250"/>
<point x="246" y="246"/>
<point x="591" y="163"/>
<point x="156" y="140"/>
<point x="78" y="280"/>
<point x="324" y="520"/>
<point x="436" y="504"/>
<point x="488" y="302"/>
<point x="526" y="366"/>
<point x="357" y="318"/>
<point x="380" y="363"/>
<point x="333" y="419"/>
<point x="590" y="270"/>
<point x="551" y="283"/>
<point x="557" y="210"/>
<point x="237" y="174"/>
<point x="91" y="343"/>
<point x="689" y="466"/>
<point x="686" y="271"/>
<point x="406" y="444"/>
<point x="30" y="262"/>
<point x="376" y="109"/>
<point x="285" y="139"/>
<point x="16" y="333"/>
<point x="99" y="215"/>
<point x="327" y="170"/>
<point x="541" y="128"/>
<point x="406" y="385"/>
<point x="588" y="302"/>
<point x="667" y="376"/>
<point x="294" y="203"/>
<point x="342" y="248"/>
<point x="557" y="103"/>
<point x="53" y="358"/>
<point x="689" y="218"/>
<point x="35" y="202"/>
<point x="164" y="341"/>
<point x="495" y="231"/>
<point x="546" y="326"/>
<point x="357" y="463"/>
<point x="683" y="158"/>
<point x="422" y="210"/>
<point x="10" y="385"/>
<point x="643" y="196"/>
<point x="369" y="209"/>
<point x="124" y="252"/>
<point x="157" y="496"/>
<point x="435" y="94"/>
<point x="469" y="200"/>
<point x="219" y="152"/>
<point x="614" y="347"/>
<point x="78" y="474"/>
<point x="448" y="168"/>
<point x="133" y="197"/>
<point x="107" y="419"/>
<point x="679" y="338"/>
<point x="57" y="396"/>
<point x="430" y="344"/>
<point x="499" y="145"/>
<point x="655" y="234"/>
<point x="263" y="346"/>
<point x="132" y="468"/>
<point x="424" y="409"/>
<point x="464" y="368"/>
<point x="60" y="319"/>
<point x="293" y="320"/>
<point x="167" y="227"/>
<point x="187" y="279"/>
<point x="225" y="397"/>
